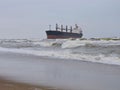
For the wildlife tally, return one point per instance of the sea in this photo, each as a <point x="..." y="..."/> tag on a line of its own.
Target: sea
<point x="106" y="51"/>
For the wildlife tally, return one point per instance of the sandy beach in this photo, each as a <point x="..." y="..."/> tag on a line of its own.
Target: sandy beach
<point x="56" y="73"/>
<point x="9" y="85"/>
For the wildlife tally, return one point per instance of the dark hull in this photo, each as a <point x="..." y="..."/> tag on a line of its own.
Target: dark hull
<point x="62" y="35"/>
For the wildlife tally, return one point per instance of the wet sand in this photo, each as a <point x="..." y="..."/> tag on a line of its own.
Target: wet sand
<point x="10" y="85"/>
<point x="57" y="73"/>
<point x="7" y="85"/>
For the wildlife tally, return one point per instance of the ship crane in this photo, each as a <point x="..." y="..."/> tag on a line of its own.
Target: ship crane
<point x="62" y="28"/>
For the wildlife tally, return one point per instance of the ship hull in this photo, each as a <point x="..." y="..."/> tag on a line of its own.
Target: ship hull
<point x="62" y="35"/>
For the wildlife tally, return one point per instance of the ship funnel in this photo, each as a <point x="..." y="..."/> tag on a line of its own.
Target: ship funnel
<point x="76" y="26"/>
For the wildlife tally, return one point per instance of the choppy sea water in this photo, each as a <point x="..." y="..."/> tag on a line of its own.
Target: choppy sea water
<point x="101" y="51"/>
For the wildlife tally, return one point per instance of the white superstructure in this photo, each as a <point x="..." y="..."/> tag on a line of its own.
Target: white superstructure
<point x="77" y="29"/>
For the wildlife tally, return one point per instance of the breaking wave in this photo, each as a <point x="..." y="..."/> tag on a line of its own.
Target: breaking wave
<point x="102" y="51"/>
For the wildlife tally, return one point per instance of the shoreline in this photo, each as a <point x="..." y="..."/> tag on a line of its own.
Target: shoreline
<point x="60" y="74"/>
<point x="54" y="58"/>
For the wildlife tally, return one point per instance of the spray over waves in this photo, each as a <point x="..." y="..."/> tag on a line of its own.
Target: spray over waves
<point x="102" y="51"/>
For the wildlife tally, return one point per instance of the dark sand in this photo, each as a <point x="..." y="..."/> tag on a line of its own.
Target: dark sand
<point x="9" y="85"/>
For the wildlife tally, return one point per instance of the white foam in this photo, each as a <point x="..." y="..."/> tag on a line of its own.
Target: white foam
<point x="64" y="43"/>
<point x="66" y="54"/>
<point x="77" y="43"/>
<point x="72" y="44"/>
<point x="49" y="43"/>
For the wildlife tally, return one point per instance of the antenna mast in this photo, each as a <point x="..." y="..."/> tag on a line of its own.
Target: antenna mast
<point x="66" y="28"/>
<point x="62" y="28"/>
<point x="50" y="27"/>
<point x="56" y="27"/>
<point x="71" y="29"/>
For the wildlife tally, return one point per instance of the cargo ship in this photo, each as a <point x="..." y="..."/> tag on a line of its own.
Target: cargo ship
<point x="64" y="33"/>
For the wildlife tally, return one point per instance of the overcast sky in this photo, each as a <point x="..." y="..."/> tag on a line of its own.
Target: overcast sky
<point x="30" y="18"/>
